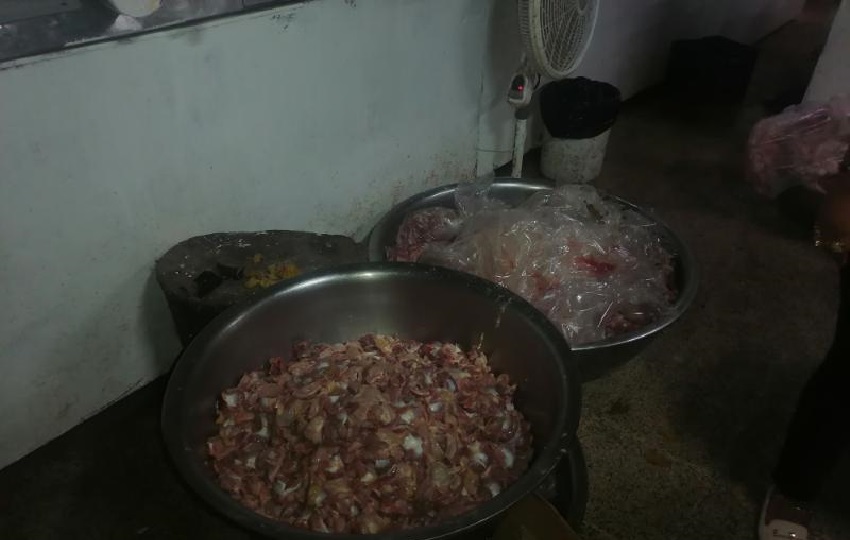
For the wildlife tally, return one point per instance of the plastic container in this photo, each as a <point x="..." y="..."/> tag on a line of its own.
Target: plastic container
<point x="573" y="161"/>
<point x="579" y="108"/>
<point x="578" y="115"/>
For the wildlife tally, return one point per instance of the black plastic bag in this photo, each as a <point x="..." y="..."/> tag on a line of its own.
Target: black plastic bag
<point x="579" y="108"/>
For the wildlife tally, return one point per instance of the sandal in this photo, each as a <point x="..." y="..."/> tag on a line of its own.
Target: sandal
<point x="783" y="518"/>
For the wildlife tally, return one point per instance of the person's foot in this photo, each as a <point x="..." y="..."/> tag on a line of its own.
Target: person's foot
<point x="782" y="518"/>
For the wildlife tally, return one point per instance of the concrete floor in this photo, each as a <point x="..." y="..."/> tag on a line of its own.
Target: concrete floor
<point x="679" y="443"/>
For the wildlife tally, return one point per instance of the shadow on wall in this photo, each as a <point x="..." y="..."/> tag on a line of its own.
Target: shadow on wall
<point x="158" y="327"/>
<point x="502" y="56"/>
<point x="504" y="52"/>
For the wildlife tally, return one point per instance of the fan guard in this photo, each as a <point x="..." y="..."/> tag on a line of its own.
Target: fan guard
<point x="556" y="33"/>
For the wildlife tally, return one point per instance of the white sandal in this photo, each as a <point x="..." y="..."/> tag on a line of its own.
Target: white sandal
<point x="782" y="519"/>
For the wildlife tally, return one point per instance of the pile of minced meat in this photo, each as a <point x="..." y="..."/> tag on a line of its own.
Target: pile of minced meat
<point x="370" y="435"/>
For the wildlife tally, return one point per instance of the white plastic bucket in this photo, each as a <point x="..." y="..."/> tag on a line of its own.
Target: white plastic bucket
<point x="573" y="161"/>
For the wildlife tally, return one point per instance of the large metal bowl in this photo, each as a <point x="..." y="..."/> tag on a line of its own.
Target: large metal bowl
<point x="594" y="359"/>
<point x="413" y="301"/>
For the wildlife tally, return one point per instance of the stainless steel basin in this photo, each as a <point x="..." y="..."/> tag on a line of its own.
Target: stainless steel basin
<point x="597" y="358"/>
<point x="413" y="301"/>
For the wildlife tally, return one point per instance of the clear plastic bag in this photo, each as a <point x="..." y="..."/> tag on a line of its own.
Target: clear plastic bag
<point x="804" y="145"/>
<point x="437" y="225"/>
<point x="595" y="268"/>
<point x="423" y="228"/>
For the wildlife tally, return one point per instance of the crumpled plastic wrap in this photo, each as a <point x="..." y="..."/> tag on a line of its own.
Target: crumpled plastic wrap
<point x="804" y="145"/>
<point x="594" y="268"/>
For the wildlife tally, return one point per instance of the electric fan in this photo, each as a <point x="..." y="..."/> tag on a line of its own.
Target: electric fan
<point x="555" y="35"/>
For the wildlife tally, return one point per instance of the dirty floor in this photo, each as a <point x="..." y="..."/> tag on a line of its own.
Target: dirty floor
<point x="679" y="442"/>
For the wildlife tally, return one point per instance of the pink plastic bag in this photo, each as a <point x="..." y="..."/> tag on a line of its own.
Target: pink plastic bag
<point x="804" y="145"/>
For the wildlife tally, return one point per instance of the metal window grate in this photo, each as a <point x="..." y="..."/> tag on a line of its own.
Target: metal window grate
<point x="16" y="10"/>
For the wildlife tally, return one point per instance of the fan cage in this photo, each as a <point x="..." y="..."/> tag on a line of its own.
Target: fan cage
<point x="556" y="33"/>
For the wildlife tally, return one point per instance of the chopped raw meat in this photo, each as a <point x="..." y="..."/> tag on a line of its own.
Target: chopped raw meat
<point x="422" y="228"/>
<point x="371" y="435"/>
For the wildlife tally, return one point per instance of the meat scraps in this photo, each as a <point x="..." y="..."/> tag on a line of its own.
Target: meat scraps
<point x="370" y="435"/>
<point x="422" y="228"/>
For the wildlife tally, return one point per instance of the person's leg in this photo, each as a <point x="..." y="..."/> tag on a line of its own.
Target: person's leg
<point x="819" y="432"/>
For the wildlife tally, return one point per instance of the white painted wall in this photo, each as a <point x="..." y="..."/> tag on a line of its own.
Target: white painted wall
<point x="317" y="117"/>
<point x="832" y="74"/>
<point x="629" y="50"/>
